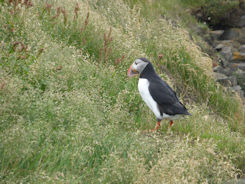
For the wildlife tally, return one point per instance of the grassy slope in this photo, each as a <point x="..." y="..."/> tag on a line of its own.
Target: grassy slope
<point x="70" y="114"/>
<point x="181" y="9"/>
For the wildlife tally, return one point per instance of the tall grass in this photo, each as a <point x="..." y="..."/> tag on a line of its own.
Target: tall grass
<point x="69" y="114"/>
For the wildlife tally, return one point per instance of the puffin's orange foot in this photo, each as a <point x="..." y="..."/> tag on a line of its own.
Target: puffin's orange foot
<point x="158" y="125"/>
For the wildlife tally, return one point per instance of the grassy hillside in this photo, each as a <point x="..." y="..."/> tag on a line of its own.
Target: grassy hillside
<point x="213" y="11"/>
<point x="69" y="114"/>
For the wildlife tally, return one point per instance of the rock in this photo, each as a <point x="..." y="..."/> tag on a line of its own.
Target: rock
<point x="218" y="69"/>
<point x="236" y="66"/>
<point x="229" y="43"/>
<point x="216" y="34"/>
<point x="241" y="79"/>
<point x="242" y="96"/>
<point x="225" y="80"/>
<point x="234" y="34"/>
<point x="242" y="21"/>
<point x="226" y="52"/>
<point x="226" y="71"/>
<point x="220" y="76"/>
<point x="242" y="36"/>
<point x="230" y="34"/>
<point x="219" y="47"/>
<point x="237" y="89"/>
<point x="226" y="43"/>
<point x="242" y="48"/>
<point x="238" y="56"/>
<point x="232" y="80"/>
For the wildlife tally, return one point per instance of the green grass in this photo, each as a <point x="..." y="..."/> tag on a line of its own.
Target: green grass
<point x="69" y="114"/>
<point x="217" y="10"/>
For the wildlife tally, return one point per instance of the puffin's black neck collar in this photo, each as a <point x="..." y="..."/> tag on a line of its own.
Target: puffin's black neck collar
<point x="148" y="71"/>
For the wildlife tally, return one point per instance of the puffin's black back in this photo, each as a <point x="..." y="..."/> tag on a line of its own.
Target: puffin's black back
<point x="162" y="93"/>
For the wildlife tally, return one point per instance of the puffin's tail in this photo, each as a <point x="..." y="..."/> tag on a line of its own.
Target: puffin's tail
<point x="187" y="113"/>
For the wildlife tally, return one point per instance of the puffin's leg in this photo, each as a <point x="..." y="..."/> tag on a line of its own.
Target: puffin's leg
<point x="171" y="123"/>
<point x="158" y="125"/>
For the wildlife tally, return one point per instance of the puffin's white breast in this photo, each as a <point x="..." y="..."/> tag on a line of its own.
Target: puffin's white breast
<point x="143" y="86"/>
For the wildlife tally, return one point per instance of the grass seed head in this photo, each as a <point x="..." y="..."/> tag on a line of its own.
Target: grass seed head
<point x="76" y="9"/>
<point x="48" y="8"/>
<point x="63" y="11"/>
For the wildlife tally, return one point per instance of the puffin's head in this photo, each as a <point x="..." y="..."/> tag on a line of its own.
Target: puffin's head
<point x="137" y="67"/>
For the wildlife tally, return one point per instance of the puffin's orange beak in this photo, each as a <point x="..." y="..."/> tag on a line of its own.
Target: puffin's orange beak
<point x="132" y="72"/>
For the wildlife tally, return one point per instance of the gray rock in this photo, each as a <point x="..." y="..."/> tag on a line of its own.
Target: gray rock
<point x="237" y="88"/>
<point x="240" y="66"/>
<point x="242" y="96"/>
<point x="226" y="71"/>
<point x="233" y="80"/>
<point x="242" y="48"/>
<point x="226" y="52"/>
<point x="220" y="76"/>
<point x="241" y="79"/>
<point x="216" y="34"/>
<point x="222" y="79"/>
<point x="219" y="47"/>
<point x="225" y="80"/>
<point x="242" y="36"/>
<point x="242" y="21"/>
<point x="231" y="34"/>
<point x="218" y="69"/>
<point x="227" y="42"/>
<point x="231" y="43"/>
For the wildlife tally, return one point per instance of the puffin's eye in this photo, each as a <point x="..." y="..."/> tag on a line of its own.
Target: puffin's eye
<point x="136" y="63"/>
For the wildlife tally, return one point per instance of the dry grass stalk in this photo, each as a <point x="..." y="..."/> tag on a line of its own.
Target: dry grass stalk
<point x="2" y="85"/>
<point x="28" y="3"/>
<point x="15" y="3"/>
<point x="57" y="13"/>
<point x="76" y="9"/>
<point x="85" y="23"/>
<point x="86" y="20"/>
<point x="63" y="11"/>
<point x="106" y="51"/>
<point x="119" y="60"/>
<point x="48" y="8"/>
<point x="108" y="38"/>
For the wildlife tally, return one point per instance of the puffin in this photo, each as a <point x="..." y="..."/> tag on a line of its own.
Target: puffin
<point x="156" y="93"/>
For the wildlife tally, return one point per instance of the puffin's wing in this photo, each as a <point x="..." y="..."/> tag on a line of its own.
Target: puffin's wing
<point x="166" y="98"/>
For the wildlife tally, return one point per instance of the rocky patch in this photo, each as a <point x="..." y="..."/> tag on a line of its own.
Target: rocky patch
<point x="227" y="39"/>
<point x="230" y="45"/>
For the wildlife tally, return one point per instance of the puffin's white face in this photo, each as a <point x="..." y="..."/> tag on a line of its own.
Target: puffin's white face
<point x="137" y="67"/>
